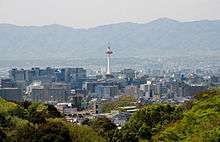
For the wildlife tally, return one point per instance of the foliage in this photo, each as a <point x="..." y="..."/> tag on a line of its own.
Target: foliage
<point x="7" y="106"/>
<point x="53" y="112"/>
<point x="148" y="121"/>
<point x="38" y="113"/>
<point x="2" y="136"/>
<point x="115" y="105"/>
<point x="197" y="120"/>
<point x="22" y="133"/>
<point x="200" y="124"/>
<point x="53" y="132"/>
<point x="36" y="122"/>
<point x="5" y="121"/>
<point x="84" y="134"/>
<point x="104" y="127"/>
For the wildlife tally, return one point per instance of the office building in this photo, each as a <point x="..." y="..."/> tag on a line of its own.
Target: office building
<point x="13" y="94"/>
<point x="106" y="91"/>
<point x="7" y="83"/>
<point x="54" y="92"/>
<point x="75" y="76"/>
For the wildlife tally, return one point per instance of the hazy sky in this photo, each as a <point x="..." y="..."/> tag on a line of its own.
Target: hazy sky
<point x="89" y="13"/>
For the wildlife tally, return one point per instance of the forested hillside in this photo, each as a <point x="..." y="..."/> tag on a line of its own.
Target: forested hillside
<point x="36" y="122"/>
<point x="197" y="120"/>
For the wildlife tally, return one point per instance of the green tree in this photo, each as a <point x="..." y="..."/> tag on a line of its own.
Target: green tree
<point x="200" y="122"/>
<point x="84" y="133"/>
<point x="52" y="132"/>
<point x="23" y="133"/>
<point x="116" y="104"/>
<point x="2" y="136"/>
<point x="53" y="112"/>
<point x="104" y="127"/>
<point x="148" y="121"/>
<point x="5" y="121"/>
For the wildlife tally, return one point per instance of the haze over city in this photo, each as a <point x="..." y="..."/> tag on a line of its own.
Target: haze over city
<point x="84" y="13"/>
<point x="109" y="70"/>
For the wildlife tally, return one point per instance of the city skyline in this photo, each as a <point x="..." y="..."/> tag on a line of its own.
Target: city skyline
<point x="109" y="70"/>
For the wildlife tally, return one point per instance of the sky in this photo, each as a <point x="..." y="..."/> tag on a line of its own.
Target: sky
<point x="91" y="13"/>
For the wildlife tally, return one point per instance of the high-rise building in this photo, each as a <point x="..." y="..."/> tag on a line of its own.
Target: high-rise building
<point x="106" y="91"/>
<point x="90" y="87"/>
<point x="75" y="76"/>
<point x="7" y="83"/>
<point x="54" y="92"/>
<point x="13" y="94"/>
<point x="44" y="75"/>
<point x="17" y="75"/>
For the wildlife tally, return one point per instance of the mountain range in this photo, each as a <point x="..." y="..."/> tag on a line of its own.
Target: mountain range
<point x="162" y="37"/>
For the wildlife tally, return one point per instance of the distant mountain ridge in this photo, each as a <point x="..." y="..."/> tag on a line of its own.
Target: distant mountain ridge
<point x="161" y="37"/>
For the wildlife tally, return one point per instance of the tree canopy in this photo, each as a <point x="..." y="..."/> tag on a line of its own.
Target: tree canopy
<point x="37" y="122"/>
<point x="197" y="120"/>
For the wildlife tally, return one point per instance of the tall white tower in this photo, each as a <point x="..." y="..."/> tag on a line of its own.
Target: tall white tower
<point x="108" y="53"/>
